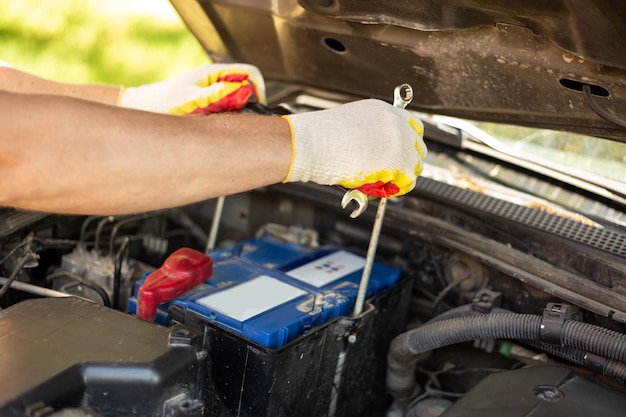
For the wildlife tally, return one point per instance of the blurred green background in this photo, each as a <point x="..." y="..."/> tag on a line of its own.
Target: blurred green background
<point x="127" y="42"/>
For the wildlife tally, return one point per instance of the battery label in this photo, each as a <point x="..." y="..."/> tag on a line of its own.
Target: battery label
<point x="327" y="269"/>
<point x="251" y="298"/>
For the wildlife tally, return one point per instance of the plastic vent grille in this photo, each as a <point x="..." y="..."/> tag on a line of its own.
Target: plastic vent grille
<point x="604" y="239"/>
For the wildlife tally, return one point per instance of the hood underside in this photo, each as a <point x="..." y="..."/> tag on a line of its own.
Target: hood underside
<point x="526" y="63"/>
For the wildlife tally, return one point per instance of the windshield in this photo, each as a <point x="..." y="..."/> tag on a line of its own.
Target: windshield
<point x="602" y="157"/>
<point x="591" y="159"/>
<point x="537" y="163"/>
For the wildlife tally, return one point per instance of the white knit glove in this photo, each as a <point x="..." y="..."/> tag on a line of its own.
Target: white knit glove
<point x="369" y="145"/>
<point x="210" y="88"/>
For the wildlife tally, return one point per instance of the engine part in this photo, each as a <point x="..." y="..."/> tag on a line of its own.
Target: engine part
<point x="430" y="407"/>
<point x="68" y="352"/>
<point x="408" y="348"/>
<point x="290" y="234"/>
<point x="540" y="391"/>
<point x="94" y="270"/>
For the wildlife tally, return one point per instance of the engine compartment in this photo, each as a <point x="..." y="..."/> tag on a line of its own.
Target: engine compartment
<point x="492" y="284"/>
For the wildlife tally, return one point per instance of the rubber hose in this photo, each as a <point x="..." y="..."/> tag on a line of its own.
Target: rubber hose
<point x="465" y="311"/>
<point x="606" y="367"/>
<point x="406" y="348"/>
<point x="596" y="339"/>
<point x="616" y="370"/>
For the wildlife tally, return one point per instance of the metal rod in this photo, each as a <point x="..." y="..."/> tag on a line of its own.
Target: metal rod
<point x="217" y="216"/>
<point x="33" y="289"/>
<point x="369" y="258"/>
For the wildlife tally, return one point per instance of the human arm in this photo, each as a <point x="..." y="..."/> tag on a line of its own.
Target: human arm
<point x="210" y="88"/>
<point x="64" y="155"/>
<point x="16" y="81"/>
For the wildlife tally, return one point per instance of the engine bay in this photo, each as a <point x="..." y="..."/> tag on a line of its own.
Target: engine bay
<point x="483" y="300"/>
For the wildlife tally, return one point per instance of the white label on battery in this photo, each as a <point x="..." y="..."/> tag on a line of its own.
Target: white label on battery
<point x="329" y="268"/>
<point x="251" y="298"/>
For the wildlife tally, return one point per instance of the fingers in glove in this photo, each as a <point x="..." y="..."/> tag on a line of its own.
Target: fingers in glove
<point x="209" y="88"/>
<point x="228" y="97"/>
<point x="397" y="182"/>
<point x="368" y="144"/>
<point x="234" y="73"/>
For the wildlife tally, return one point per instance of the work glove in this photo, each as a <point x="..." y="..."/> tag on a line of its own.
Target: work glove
<point x="368" y="145"/>
<point x="211" y="88"/>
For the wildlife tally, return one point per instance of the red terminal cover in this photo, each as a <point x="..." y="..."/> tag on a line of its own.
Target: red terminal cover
<point x="181" y="271"/>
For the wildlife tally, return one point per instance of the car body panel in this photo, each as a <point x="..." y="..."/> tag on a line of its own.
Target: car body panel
<point x="520" y="64"/>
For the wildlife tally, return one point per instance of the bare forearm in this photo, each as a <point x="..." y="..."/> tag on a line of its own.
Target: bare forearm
<point x="17" y="81"/>
<point x="70" y="156"/>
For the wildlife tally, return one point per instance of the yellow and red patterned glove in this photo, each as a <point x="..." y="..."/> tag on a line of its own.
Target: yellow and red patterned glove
<point x="369" y="145"/>
<point x="211" y="88"/>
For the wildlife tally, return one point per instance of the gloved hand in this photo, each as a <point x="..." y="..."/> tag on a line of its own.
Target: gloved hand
<point x="369" y="145"/>
<point x="211" y="88"/>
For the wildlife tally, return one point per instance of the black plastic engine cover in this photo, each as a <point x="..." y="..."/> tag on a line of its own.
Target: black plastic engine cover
<point x="543" y="391"/>
<point x="67" y="352"/>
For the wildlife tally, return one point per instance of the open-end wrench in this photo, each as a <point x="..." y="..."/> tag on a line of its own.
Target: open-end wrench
<point x="402" y="96"/>
<point x="359" y="198"/>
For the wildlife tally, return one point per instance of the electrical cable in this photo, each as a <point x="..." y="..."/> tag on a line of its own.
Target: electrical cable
<point x="29" y="256"/>
<point x="15" y="249"/>
<point x="589" y="100"/>
<point x="117" y="274"/>
<point x="452" y="285"/>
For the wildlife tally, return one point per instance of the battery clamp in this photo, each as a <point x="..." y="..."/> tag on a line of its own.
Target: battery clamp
<point x="180" y="272"/>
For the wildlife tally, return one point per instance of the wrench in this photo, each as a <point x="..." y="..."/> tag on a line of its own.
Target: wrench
<point x="402" y="96"/>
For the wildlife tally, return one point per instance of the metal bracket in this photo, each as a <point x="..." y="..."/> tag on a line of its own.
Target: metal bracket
<point x="486" y="300"/>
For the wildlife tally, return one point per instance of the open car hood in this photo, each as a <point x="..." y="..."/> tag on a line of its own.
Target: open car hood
<point x="521" y="63"/>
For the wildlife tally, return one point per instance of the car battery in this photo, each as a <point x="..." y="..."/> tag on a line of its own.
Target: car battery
<point x="278" y="326"/>
<point x="324" y="269"/>
<point x="335" y="369"/>
<point x="265" y="308"/>
<point x="271" y="292"/>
